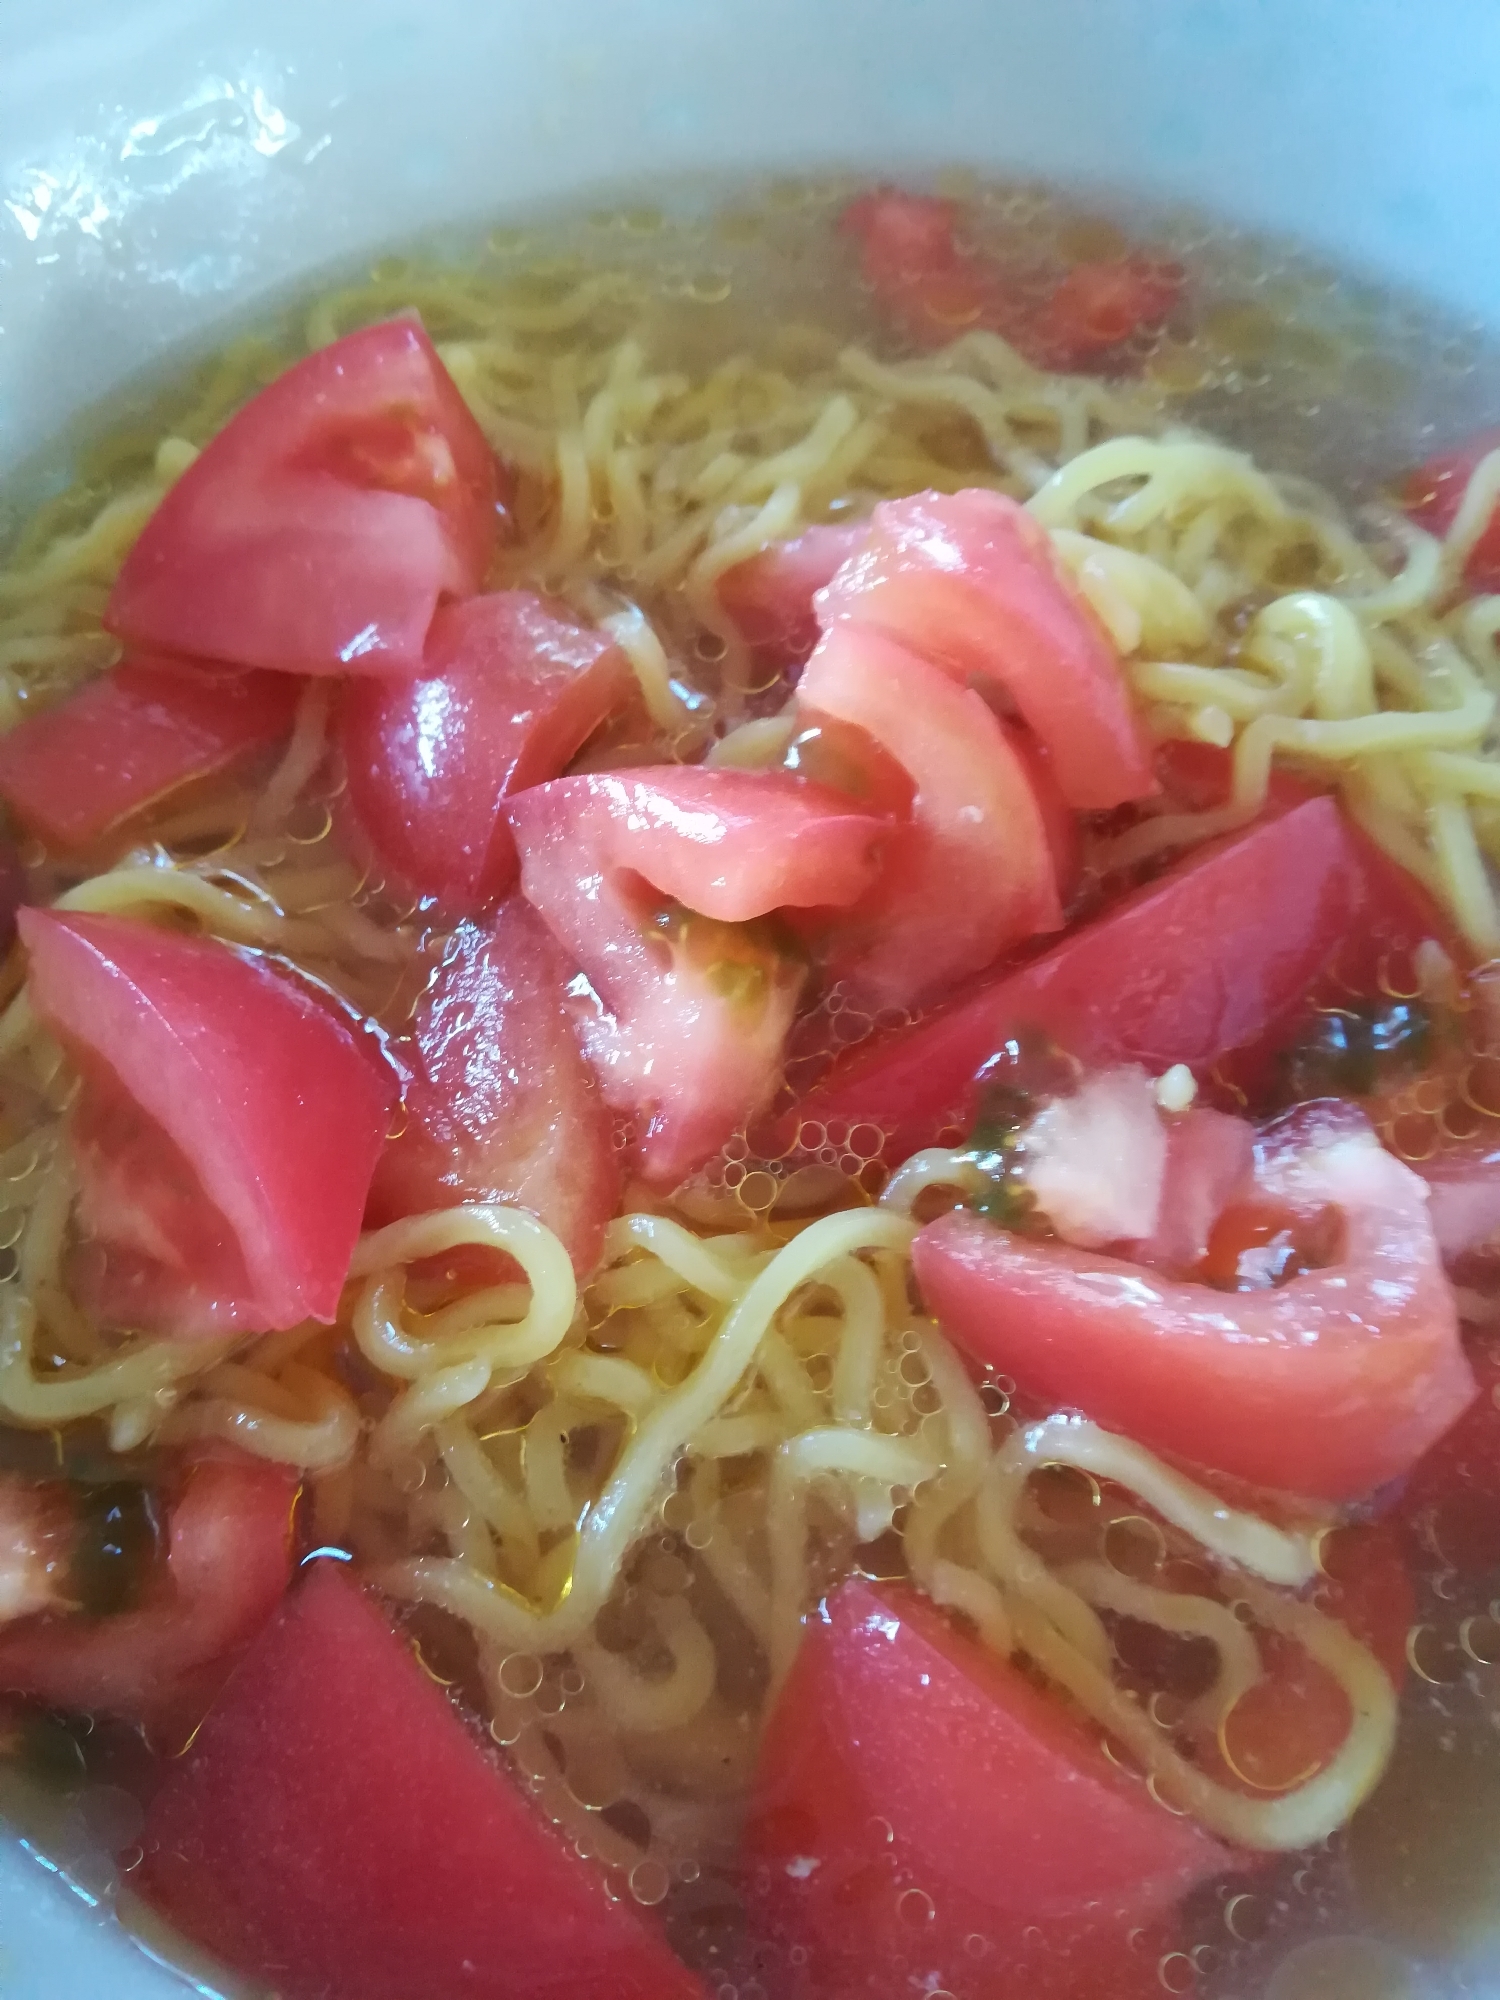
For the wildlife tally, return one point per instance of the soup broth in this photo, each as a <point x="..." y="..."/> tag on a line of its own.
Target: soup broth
<point x="614" y="1496"/>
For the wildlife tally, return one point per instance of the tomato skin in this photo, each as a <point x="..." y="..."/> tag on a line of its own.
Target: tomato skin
<point x="770" y="596"/>
<point x="133" y="735"/>
<point x="1158" y="978"/>
<point x="511" y="686"/>
<point x="971" y="873"/>
<point x="500" y="1104"/>
<point x="227" y="1129"/>
<point x="283" y="1846"/>
<point x="1328" y="1385"/>
<point x="320" y="529"/>
<point x="229" y="1561"/>
<point x="911" y="260"/>
<point x="1434" y="493"/>
<point x="694" y="1011"/>
<point x="914" y="1791"/>
<point x="970" y="581"/>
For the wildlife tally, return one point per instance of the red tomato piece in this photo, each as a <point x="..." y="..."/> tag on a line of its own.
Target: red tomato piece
<point x="1327" y="1385"/>
<point x="500" y="1103"/>
<point x="132" y="736"/>
<point x="914" y="1791"/>
<point x="1103" y="303"/>
<point x="1451" y="1507"/>
<point x="1294" y="1721"/>
<point x="1217" y="955"/>
<point x="1434" y="493"/>
<point x="936" y="291"/>
<point x="229" y="1561"/>
<point x="280" y="1843"/>
<point x="971" y="873"/>
<point x="648" y="878"/>
<point x="510" y="688"/>
<point x="770" y="595"/>
<point x="970" y="581"/>
<point x="321" y="528"/>
<point x="1210" y="1162"/>
<point x="227" y="1128"/>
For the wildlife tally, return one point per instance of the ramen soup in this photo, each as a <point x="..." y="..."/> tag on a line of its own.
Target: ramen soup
<point x="751" y="1124"/>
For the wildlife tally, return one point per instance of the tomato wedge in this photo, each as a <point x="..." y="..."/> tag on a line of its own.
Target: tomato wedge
<point x="511" y="686"/>
<point x="1218" y="955"/>
<point x="971" y="873"/>
<point x="226" y="1131"/>
<point x="1451" y="1506"/>
<point x="651" y="880"/>
<point x="770" y="596"/>
<point x="1326" y="1385"/>
<point x="321" y="528"/>
<point x="132" y="736"/>
<point x="1294" y="1721"/>
<point x="282" y="1845"/>
<point x="935" y="291"/>
<point x="160" y="1663"/>
<point x="1434" y="493"/>
<point x="970" y="581"/>
<point x="916" y="1795"/>
<point x="500" y="1103"/>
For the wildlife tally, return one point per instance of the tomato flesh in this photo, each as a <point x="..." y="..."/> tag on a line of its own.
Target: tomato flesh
<point x="971" y="872"/>
<point x="510" y="688"/>
<point x="911" y="259"/>
<point x="1218" y="955"/>
<point x="321" y="528"/>
<point x="970" y="581"/>
<point x="770" y="595"/>
<point x="649" y="880"/>
<point x="133" y="736"/>
<point x="227" y="1128"/>
<point x="282" y="1845"/>
<point x="1210" y="1162"/>
<point x="500" y="1104"/>
<point x="1328" y="1385"/>
<point x="160" y="1664"/>
<point x="1434" y="493"/>
<point x="914" y="1791"/>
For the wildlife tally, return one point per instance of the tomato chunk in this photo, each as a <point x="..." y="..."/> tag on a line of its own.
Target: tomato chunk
<point x="510" y="688"/>
<point x="1451" y="1506"/>
<point x="130" y="737"/>
<point x="770" y="596"/>
<point x="971" y="873"/>
<point x="935" y="291"/>
<point x="970" y="581"/>
<point x="500" y="1103"/>
<point x="914" y="1791"/>
<point x="320" y="529"/>
<point x="161" y="1662"/>
<point x="226" y="1131"/>
<point x="1434" y="493"/>
<point x="1217" y="955"/>
<point x="283" y="1845"/>
<point x="1326" y="1385"/>
<point x="650" y="880"/>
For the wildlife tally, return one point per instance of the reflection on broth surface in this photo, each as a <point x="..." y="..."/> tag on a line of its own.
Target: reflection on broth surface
<point x="864" y="1263"/>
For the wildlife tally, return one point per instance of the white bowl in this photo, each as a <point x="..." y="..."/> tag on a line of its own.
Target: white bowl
<point x="163" y="161"/>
